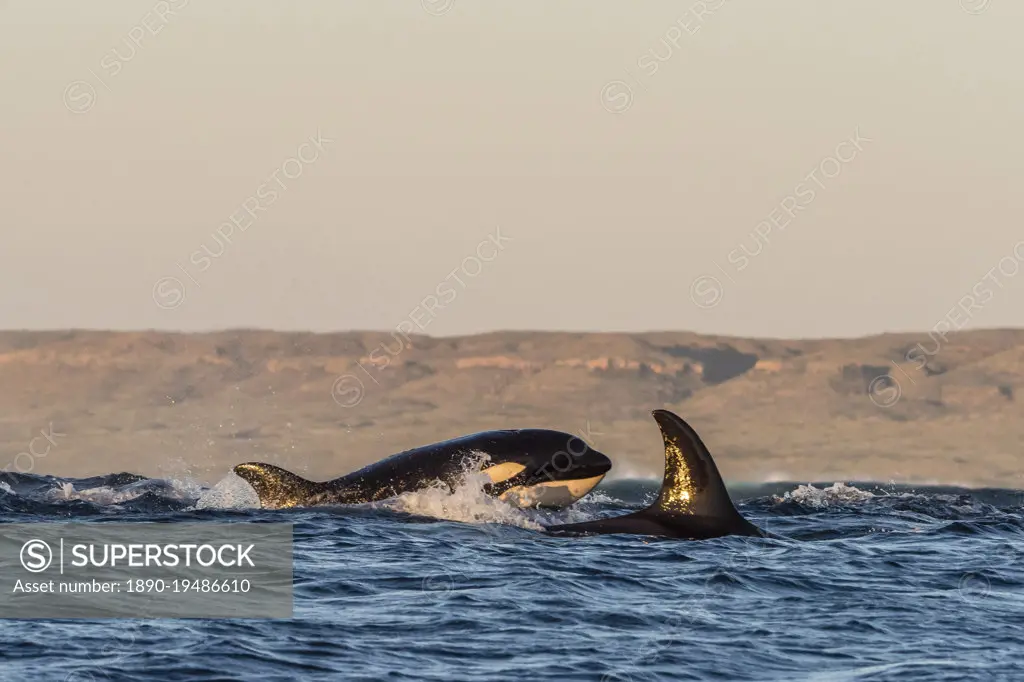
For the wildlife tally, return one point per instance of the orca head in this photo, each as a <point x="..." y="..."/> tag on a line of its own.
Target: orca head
<point x="540" y="468"/>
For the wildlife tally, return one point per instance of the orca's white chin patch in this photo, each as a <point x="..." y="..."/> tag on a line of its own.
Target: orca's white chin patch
<point x="550" y="493"/>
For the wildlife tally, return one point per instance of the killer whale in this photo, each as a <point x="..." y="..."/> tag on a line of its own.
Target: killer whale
<point x="692" y="504"/>
<point x="526" y="467"/>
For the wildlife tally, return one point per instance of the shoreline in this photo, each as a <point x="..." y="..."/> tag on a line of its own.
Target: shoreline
<point x="179" y="404"/>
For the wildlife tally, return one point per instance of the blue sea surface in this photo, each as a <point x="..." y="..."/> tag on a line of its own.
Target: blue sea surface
<point x="870" y="583"/>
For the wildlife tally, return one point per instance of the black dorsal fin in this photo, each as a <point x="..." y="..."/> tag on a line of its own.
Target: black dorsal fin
<point x="693" y="502"/>
<point x="692" y="485"/>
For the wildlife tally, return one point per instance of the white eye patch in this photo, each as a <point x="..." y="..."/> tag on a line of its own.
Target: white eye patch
<point x="503" y="472"/>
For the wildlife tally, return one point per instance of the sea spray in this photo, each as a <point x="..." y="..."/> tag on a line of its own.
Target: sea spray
<point x="230" y="492"/>
<point x="180" y="490"/>
<point x="467" y="503"/>
<point x="837" y="493"/>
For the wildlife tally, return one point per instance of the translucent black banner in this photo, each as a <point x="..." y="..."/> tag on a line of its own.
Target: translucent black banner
<point x="145" y="570"/>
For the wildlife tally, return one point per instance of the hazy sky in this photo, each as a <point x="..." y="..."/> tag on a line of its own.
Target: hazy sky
<point x="624" y="156"/>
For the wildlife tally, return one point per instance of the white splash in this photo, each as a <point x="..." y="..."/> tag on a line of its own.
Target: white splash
<point x="6" y="488"/>
<point x="467" y="503"/>
<point x="183" y="490"/>
<point x="599" y="498"/>
<point x="230" y="492"/>
<point x="837" y="493"/>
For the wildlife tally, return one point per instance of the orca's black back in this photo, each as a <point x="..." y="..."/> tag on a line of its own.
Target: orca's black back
<point x="446" y="461"/>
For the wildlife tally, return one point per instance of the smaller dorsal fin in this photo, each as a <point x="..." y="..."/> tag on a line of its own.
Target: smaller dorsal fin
<point x="277" y="488"/>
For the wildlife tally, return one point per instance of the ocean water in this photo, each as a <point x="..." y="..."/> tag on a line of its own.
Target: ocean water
<point x="870" y="583"/>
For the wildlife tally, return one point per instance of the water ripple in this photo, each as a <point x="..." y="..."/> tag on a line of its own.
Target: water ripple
<point x="866" y="583"/>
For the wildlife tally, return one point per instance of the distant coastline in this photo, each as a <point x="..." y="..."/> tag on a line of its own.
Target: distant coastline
<point x="894" y="407"/>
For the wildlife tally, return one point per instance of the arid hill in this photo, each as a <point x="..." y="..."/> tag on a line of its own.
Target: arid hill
<point x="903" y="407"/>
